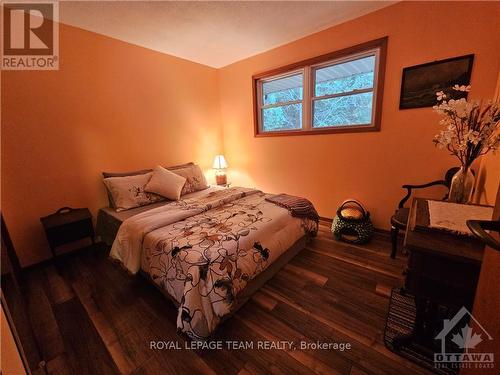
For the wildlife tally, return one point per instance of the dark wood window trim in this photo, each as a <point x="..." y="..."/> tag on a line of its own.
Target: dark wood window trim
<point x="305" y="66"/>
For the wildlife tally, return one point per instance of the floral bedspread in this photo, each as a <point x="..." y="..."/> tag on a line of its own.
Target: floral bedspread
<point x="203" y="251"/>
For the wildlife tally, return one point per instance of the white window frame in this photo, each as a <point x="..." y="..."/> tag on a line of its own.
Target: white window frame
<point x="374" y="52"/>
<point x="261" y="105"/>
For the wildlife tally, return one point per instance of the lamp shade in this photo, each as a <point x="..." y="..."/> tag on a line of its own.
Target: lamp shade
<point x="219" y="162"/>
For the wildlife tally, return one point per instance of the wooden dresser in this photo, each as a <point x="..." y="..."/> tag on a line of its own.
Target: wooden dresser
<point x="442" y="273"/>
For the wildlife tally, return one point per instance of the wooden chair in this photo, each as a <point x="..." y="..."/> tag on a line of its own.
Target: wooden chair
<point x="400" y="218"/>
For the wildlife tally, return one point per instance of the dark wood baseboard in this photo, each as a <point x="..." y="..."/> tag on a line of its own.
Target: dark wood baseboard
<point x="377" y="230"/>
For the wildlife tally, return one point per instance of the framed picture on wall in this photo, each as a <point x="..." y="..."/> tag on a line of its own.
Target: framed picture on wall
<point x="420" y="83"/>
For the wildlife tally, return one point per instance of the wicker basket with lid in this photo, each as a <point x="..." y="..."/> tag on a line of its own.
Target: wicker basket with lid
<point x="352" y="222"/>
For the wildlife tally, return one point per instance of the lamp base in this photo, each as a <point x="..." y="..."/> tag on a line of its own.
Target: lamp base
<point x="221" y="178"/>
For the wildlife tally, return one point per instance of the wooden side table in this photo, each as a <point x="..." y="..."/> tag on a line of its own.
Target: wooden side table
<point x="67" y="225"/>
<point x="442" y="274"/>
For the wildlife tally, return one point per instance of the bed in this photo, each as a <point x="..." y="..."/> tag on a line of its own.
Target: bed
<point x="208" y="252"/>
<point x="109" y="220"/>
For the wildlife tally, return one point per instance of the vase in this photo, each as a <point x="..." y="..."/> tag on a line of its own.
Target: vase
<point x="462" y="186"/>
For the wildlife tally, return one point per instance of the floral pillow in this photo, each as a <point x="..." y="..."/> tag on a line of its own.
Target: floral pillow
<point x="195" y="179"/>
<point x="128" y="192"/>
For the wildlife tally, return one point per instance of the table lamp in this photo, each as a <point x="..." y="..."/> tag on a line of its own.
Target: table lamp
<point x="220" y="165"/>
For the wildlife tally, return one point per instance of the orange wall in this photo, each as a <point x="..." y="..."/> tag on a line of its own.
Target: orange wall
<point x="117" y="106"/>
<point x="10" y="358"/>
<point x="111" y="106"/>
<point x="368" y="166"/>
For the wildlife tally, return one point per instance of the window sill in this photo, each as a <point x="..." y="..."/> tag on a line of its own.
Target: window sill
<point x="343" y="129"/>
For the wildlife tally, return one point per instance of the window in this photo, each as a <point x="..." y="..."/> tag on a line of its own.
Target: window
<point x="282" y="103"/>
<point x="337" y="92"/>
<point x="343" y="92"/>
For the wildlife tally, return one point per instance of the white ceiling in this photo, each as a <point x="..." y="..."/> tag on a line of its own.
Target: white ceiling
<point x="214" y="33"/>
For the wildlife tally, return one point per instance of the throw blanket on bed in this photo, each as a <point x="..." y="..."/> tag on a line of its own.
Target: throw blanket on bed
<point x="203" y="251"/>
<point x="299" y="207"/>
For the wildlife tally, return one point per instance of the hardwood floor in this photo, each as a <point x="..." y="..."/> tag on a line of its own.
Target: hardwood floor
<point x="90" y="317"/>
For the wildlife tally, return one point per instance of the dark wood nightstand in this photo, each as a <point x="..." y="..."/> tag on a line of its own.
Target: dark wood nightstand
<point x="67" y="225"/>
<point x="442" y="275"/>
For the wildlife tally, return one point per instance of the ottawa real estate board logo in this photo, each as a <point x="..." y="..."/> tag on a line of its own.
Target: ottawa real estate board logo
<point x="459" y="341"/>
<point x="30" y="35"/>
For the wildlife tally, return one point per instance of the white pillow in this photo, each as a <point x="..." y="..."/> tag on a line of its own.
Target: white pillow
<point x="165" y="183"/>
<point x="128" y="192"/>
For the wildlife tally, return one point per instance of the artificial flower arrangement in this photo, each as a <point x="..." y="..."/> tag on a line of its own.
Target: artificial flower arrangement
<point x="470" y="131"/>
